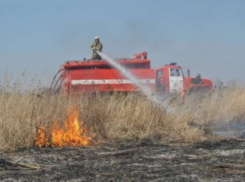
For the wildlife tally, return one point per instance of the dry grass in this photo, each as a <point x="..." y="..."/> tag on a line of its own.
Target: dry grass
<point x="114" y="117"/>
<point x="134" y="117"/>
<point x="221" y="105"/>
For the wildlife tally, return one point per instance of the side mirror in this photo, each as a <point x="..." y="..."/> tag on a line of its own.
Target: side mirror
<point x="188" y="73"/>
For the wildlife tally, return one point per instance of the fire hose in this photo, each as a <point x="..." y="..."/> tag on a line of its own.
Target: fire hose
<point x="56" y="83"/>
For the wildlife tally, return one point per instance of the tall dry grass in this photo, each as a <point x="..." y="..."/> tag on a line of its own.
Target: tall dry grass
<point x="116" y="116"/>
<point x="222" y="105"/>
<point x="22" y="110"/>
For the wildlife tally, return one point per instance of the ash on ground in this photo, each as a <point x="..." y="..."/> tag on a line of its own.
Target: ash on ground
<point x="219" y="160"/>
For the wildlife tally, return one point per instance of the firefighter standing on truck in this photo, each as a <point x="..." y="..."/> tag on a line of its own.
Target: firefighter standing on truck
<point x="96" y="46"/>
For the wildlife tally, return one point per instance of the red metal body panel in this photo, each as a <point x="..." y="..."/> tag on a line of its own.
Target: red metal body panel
<point x="204" y="84"/>
<point x="96" y="64"/>
<point x="100" y="76"/>
<point x="106" y="80"/>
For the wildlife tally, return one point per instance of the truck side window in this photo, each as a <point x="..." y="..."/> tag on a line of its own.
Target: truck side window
<point x="159" y="73"/>
<point x="174" y="72"/>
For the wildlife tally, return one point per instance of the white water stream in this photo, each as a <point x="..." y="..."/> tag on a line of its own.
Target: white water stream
<point x="145" y="89"/>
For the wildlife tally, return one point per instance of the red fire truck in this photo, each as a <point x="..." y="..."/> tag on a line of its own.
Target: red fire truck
<point x="100" y="76"/>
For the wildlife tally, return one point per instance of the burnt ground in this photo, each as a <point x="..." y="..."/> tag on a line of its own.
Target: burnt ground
<point x="220" y="160"/>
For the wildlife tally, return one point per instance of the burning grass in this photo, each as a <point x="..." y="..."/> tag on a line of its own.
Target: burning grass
<point x="71" y="133"/>
<point x="26" y="114"/>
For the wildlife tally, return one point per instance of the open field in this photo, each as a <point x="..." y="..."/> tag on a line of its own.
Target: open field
<point x="113" y="117"/>
<point x="132" y="137"/>
<point x="209" y="161"/>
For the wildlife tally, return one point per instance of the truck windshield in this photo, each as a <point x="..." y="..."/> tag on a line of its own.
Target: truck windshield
<point x="175" y="72"/>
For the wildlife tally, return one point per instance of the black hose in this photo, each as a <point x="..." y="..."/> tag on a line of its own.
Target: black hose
<point x="56" y="83"/>
<point x="55" y="78"/>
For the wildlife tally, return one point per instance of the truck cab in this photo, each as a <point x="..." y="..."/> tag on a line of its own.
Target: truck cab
<point x="170" y="79"/>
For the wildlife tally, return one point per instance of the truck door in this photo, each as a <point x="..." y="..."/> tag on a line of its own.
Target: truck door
<point x="175" y="80"/>
<point x="160" y="81"/>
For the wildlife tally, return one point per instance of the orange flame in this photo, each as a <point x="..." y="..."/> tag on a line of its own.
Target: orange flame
<point x="42" y="138"/>
<point x="73" y="133"/>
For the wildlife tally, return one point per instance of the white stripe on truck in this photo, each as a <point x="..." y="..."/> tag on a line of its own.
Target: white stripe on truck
<point x="109" y="81"/>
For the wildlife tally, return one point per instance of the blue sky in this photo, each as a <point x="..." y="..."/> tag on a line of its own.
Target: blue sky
<point x="206" y="36"/>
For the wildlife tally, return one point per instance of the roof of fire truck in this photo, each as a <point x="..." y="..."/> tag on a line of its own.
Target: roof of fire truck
<point x="139" y="59"/>
<point x="172" y="65"/>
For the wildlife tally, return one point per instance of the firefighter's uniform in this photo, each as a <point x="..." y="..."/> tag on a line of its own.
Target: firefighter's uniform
<point x="96" y="46"/>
